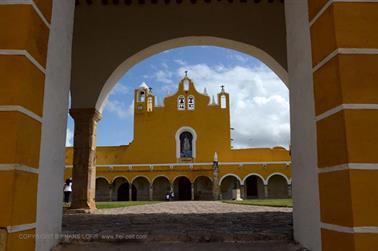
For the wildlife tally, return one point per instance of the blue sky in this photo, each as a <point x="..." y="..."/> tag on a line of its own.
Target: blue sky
<point x="259" y="99"/>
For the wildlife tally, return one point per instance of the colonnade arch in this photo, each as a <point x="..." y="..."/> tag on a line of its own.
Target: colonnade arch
<point x="142" y="188"/>
<point x="102" y="189"/>
<point x="160" y="187"/>
<point x="203" y="186"/>
<point x="182" y="188"/>
<point x="254" y="185"/>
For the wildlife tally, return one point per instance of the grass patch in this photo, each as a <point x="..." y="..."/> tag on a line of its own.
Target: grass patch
<point x="263" y="202"/>
<point x="115" y="204"/>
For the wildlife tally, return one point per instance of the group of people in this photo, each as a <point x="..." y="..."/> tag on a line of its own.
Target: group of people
<point x="169" y="196"/>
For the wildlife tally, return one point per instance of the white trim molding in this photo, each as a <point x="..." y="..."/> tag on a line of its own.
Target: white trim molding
<point x="18" y="108"/>
<point x="345" y="51"/>
<point x="330" y="2"/>
<point x="230" y="175"/>
<point x="20" y="228"/>
<point x="26" y="54"/>
<point x="103" y="177"/>
<point x="180" y="176"/>
<point x="265" y="182"/>
<point x="35" y="7"/>
<point x="141" y="176"/>
<point x="171" y="165"/>
<point x="199" y="176"/>
<point x="346" y="107"/>
<point x="279" y="174"/>
<point x="350" y="230"/>
<point x="160" y="176"/>
<point x="18" y="167"/>
<point x="120" y="176"/>
<point x="194" y="140"/>
<point x="349" y="166"/>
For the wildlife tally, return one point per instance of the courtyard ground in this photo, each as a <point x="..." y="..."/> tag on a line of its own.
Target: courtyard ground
<point x="187" y="225"/>
<point x="264" y="202"/>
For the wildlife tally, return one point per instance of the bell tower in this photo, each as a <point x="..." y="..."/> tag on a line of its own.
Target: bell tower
<point x="143" y="99"/>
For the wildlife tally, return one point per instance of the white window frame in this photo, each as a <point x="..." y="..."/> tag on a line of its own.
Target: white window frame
<point x="194" y="140"/>
<point x="194" y="103"/>
<point x="178" y="103"/>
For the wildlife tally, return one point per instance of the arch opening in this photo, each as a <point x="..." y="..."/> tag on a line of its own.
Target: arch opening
<point x="142" y="189"/>
<point x="182" y="188"/>
<point x="203" y="188"/>
<point x="254" y="187"/>
<point x="103" y="190"/>
<point x="251" y="50"/>
<point x="230" y="188"/>
<point x="160" y="187"/>
<point x="277" y="187"/>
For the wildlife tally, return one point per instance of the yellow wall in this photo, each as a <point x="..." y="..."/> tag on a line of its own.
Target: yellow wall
<point x="155" y="143"/>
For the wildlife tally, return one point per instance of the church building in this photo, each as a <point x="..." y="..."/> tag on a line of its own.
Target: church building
<point x="183" y="144"/>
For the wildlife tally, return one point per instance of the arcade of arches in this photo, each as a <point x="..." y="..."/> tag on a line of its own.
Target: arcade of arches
<point x="324" y="50"/>
<point x="184" y="188"/>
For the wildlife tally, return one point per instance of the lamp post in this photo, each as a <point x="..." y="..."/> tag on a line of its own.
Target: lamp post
<point x="215" y="177"/>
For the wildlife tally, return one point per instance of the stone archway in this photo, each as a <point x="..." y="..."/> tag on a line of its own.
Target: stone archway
<point x="142" y="188"/>
<point x="229" y="186"/>
<point x="254" y="187"/>
<point x="182" y="187"/>
<point x="160" y="186"/>
<point x="277" y="187"/>
<point x="103" y="190"/>
<point x="123" y="192"/>
<point x="203" y="186"/>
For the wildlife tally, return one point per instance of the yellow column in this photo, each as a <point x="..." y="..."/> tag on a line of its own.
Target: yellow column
<point x="23" y="51"/>
<point x="344" y="38"/>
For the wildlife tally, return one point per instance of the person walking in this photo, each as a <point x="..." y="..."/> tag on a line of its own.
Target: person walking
<point x="67" y="189"/>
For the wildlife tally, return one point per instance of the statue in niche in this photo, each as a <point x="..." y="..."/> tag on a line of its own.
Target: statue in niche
<point x="186" y="149"/>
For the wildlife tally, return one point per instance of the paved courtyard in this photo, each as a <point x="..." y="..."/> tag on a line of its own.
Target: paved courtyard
<point x="187" y="222"/>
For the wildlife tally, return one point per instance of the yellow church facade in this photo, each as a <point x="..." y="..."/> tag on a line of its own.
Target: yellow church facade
<point x="184" y="145"/>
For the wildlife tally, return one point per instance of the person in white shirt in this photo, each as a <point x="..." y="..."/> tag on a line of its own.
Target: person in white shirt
<point x="67" y="189"/>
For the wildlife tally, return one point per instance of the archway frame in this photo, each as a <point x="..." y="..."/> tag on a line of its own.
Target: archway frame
<point x="199" y="176"/>
<point x="141" y="176"/>
<point x="230" y="175"/>
<point x="120" y="176"/>
<point x="160" y="176"/>
<point x="265" y="181"/>
<point x="103" y="177"/>
<point x="188" y="41"/>
<point x="180" y="176"/>
<point x="278" y="174"/>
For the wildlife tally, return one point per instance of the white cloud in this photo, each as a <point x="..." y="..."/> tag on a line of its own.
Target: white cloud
<point x="164" y="76"/>
<point x="69" y="137"/>
<point x="119" y="108"/>
<point x="180" y="62"/>
<point x="259" y="102"/>
<point x="120" y="89"/>
<point x="237" y="57"/>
